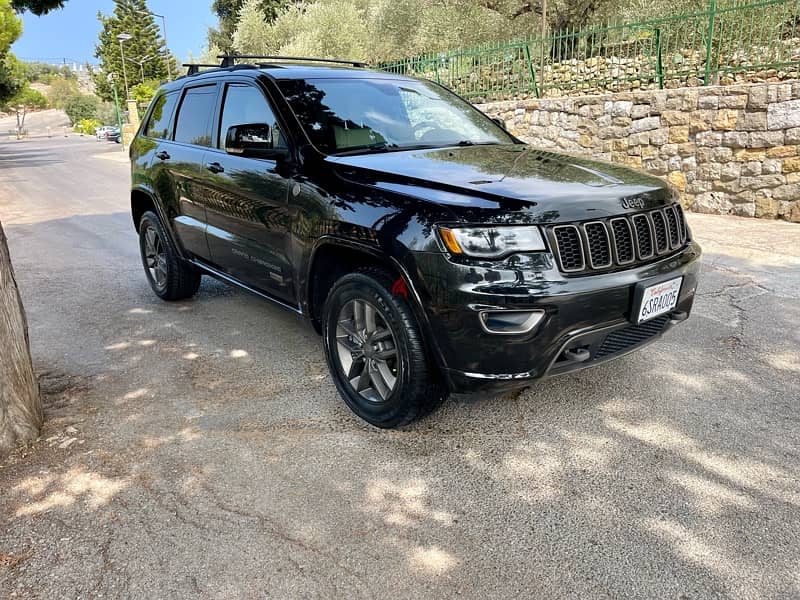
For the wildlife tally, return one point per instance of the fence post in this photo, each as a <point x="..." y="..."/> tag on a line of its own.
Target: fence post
<point x="531" y="69"/>
<point x="712" y="14"/>
<point x="659" y="64"/>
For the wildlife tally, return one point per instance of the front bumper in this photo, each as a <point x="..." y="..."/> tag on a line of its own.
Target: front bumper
<point x="587" y="314"/>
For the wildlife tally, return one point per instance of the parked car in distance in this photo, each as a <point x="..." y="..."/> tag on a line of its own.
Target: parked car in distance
<point x="432" y="250"/>
<point x="101" y="133"/>
<point x="114" y="135"/>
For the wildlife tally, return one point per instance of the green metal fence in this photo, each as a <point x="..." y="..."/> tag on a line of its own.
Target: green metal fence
<point x="719" y="44"/>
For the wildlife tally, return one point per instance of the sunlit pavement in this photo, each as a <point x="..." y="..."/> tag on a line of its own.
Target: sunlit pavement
<point x="200" y="448"/>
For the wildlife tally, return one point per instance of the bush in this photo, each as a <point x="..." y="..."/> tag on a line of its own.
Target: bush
<point x="87" y="126"/>
<point x="81" y="107"/>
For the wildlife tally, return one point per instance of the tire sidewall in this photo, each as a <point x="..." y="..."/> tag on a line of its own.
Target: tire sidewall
<point x="148" y="220"/>
<point x="362" y="287"/>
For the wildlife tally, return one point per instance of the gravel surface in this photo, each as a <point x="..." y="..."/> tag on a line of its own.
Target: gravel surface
<point x="199" y="449"/>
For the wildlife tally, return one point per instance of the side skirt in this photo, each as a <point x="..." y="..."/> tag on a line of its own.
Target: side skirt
<point x="209" y="270"/>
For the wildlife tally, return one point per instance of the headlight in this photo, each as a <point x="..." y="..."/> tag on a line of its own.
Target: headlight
<point x="491" y="242"/>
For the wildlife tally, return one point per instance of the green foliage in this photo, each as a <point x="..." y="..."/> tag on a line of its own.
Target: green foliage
<point x="26" y="97"/>
<point x="87" y="126"/>
<point x="10" y="26"/>
<point x="81" y="107"/>
<point x="144" y="92"/>
<point x="12" y="76"/>
<point x="130" y="17"/>
<point x="61" y="90"/>
<point x="37" y="7"/>
<point x="228" y="12"/>
<point x="107" y="114"/>
<point x="39" y="71"/>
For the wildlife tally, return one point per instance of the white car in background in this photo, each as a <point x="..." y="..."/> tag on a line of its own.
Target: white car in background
<point x="102" y="132"/>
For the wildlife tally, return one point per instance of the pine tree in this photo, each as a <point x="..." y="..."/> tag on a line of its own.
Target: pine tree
<point x="131" y="17"/>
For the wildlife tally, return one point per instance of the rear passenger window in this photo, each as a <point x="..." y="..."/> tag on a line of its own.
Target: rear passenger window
<point x="158" y="124"/>
<point x="195" y="116"/>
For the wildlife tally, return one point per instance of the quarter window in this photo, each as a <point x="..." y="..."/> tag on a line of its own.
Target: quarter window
<point x="158" y="124"/>
<point x="195" y="116"/>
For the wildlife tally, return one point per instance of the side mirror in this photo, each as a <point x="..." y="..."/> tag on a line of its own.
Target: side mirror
<point x="500" y="122"/>
<point x="253" y="140"/>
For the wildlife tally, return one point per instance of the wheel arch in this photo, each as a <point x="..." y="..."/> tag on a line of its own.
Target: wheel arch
<point x="144" y="199"/>
<point x="331" y="258"/>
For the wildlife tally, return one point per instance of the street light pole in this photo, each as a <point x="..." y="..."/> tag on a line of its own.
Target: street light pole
<point x="124" y="37"/>
<point x="166" y="45"/>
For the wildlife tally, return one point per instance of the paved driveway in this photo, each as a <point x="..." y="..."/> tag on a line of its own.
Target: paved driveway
<point x="200" y="449"/>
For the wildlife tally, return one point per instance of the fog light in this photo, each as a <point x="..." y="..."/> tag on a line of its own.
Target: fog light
<point x="510" y="321"/>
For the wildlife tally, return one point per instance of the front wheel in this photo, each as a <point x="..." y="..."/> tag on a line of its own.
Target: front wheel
<point x="375" y="351"/>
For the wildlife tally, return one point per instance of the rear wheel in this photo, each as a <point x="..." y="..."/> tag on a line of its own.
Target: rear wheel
<point x="374" y="349"/>
<point x="170" y="276"/>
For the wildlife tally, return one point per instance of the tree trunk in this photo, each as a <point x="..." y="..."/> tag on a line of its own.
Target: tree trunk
<point x="20" y="405"/>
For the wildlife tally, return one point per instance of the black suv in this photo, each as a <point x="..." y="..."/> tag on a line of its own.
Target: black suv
<point x="433" y="250"/>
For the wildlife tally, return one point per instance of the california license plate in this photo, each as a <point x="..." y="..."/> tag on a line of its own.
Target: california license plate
<point x="659" y="299"/>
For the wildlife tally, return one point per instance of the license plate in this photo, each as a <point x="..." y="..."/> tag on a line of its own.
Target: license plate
<point x="658" y="299"/>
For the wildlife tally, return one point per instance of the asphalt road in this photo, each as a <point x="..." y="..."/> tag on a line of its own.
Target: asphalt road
<point x="199" y="449"/>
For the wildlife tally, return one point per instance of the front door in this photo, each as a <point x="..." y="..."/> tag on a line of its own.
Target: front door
<point x="247" y="201"/>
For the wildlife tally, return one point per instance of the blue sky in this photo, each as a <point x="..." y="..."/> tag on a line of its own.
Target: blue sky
<point x="71" y="33"/>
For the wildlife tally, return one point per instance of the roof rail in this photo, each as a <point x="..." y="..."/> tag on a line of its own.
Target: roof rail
<point x="194" y="69"/>
<point x="229" y="60"/>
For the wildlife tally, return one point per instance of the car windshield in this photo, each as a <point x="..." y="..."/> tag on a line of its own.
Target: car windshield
<point x="353" y="116"/>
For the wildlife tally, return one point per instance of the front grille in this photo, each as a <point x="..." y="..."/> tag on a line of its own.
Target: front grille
<point x="607" y="244"/>
<point x="623" y="339"/>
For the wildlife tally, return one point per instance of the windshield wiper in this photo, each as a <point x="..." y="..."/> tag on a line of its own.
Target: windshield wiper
<point x="367" y="149"/>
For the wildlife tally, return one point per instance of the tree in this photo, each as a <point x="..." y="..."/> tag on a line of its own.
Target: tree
<point x="11" y="71"/>
<point x="22" y="102"/>
<point x="130" y="17"/>
<point x="37" y="7"/>
<point x="228" y="12"/>
<point x="61" y="90"/>
<point x="21" y="413"/>
<point x="81" y="107"/>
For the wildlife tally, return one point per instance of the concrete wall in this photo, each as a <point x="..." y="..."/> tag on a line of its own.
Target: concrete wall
<point x="728" y="149"/>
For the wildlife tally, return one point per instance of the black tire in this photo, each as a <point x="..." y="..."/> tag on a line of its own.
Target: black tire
<point x="170" y="276"/>
<point x="417" y="388"/>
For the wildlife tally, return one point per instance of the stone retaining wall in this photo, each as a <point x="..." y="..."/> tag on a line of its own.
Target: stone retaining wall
<point x="727" y="149"/>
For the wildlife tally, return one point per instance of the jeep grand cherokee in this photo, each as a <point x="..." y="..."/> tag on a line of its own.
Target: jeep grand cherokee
<point x="433" y="250"/>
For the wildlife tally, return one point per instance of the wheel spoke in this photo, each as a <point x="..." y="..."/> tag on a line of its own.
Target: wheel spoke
<point x="378" y="384"/>
<point x="387" y="376"/>
<point x="369" y="317"/>
<point x="363" y="379"/>
<point x="348" y="344"/>
<point x="357" y="369"/>
<point x="349" y="328"/>
<point x="358" y="314"/>
<point x="381" y="334"/>
<point x="385" y="355"/>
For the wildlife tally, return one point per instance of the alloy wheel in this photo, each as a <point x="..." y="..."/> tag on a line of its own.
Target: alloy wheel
<point x="155" y="257"/>
<point x="367" y="350"/>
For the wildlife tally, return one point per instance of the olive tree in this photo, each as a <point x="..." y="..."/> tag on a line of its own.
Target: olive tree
<point x="20" y="404"/>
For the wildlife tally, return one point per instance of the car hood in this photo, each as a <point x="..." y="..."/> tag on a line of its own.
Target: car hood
<point x="503" y="178"/>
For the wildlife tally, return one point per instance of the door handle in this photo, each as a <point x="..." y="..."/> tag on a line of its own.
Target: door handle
<point x="163" y="155"/>
<point x="215" y="167"/>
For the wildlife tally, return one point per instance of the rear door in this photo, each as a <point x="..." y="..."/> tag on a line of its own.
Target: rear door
<point x="179" y="164"/>
<point x="247" y="199"/>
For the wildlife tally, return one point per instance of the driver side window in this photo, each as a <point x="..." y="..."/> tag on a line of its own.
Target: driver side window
<point x="245" y="105"/>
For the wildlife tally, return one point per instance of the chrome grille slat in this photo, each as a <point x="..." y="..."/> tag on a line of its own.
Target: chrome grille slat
<point x="622" y="241"/>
